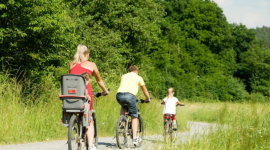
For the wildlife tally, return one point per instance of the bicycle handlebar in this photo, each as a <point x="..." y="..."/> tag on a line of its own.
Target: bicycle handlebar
<point x="99" y="94"/>
<point x="176" y="105"/>
<point x="143" y="101"/>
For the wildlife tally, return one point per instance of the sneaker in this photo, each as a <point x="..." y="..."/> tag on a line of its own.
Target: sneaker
<point x="92" y="148"/>
<point x="174" y="126"/>
<point x="135" y="141"/>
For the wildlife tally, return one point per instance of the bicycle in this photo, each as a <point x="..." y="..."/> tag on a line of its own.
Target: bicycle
<point x="123" y="129"/>
<point x="76" y="112"/>
<point x="169" y="133"/>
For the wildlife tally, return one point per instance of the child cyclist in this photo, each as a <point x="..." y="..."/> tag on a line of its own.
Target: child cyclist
<point x="170" y="107"/>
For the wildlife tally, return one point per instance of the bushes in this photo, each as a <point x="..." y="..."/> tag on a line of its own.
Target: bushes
<point x="213" y="88"/>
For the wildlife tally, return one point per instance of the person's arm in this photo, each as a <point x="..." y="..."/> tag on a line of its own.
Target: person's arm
<point x="99" y="80"/>
<point x="89" y="98"/>
<point x="180" y="103"/>
<point x="164" y="100"/>
<point x="146" y="94"/>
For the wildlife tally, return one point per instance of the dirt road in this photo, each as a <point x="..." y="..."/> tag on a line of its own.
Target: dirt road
<point x="107" y="143"/>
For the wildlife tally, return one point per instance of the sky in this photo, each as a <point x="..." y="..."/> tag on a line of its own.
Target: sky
<point x="252" y="13"/>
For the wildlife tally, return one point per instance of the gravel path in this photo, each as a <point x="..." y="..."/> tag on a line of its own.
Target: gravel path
<point x="107" y="143"/>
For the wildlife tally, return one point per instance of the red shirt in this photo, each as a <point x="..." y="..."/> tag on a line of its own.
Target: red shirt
<point x="78" y="69"/>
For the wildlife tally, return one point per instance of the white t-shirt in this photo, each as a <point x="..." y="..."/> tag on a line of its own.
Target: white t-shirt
<point x="170" y="105"/>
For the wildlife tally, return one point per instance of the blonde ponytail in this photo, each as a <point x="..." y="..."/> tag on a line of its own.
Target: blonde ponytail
<point x="170" y="93"/>
<point x="82" y="51"/>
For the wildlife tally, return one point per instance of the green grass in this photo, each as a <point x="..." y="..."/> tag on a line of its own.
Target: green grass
<point x="240" y="126"/>
<point x="31" y="113"/>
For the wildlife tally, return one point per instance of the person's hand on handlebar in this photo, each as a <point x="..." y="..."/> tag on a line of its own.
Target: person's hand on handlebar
<point x="104" y="93"/>
<point x="181" y="104"/>
<point x="147" y="100"/>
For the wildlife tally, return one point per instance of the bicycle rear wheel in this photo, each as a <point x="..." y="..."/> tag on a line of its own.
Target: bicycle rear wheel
<point x="95" y="129"/>
<point x="174" y="133"/>
<point x="85" y="138"/>
<point x="140" y="131"/>
<point x="121" y="133"/>
<point x="74" y="128"/>
<point x="166" y="131"/>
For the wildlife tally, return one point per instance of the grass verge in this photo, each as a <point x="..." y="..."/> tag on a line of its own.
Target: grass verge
<point x="31" y="113"/>
<point x="240" y="126"/>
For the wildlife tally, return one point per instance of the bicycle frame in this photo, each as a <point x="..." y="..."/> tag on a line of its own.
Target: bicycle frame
<point x="168" y="117"/>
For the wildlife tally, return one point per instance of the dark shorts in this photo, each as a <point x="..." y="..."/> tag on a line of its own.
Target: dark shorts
<point x="128" y="101"/>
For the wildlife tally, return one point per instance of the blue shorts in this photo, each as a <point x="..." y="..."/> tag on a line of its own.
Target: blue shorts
<point x="128" y="101"/>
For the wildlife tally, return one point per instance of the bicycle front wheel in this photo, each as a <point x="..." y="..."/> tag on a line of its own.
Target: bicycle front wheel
<point x="140" y="131"/>
<point x="74" y="142"/>
<point x="121" y="133"/>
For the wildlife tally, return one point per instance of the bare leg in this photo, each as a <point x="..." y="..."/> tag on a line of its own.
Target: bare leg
<point x="174" y="121"/>
<point x="134" y="126"/>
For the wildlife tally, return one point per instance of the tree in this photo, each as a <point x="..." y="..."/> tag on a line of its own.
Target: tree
<point x="255" y="64"/>
<point x="118" y="32"/>
<point x="34" y="35"/>
<point x="263" y="34"/>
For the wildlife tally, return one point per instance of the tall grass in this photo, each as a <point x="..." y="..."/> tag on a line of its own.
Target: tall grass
<point x="31" y="113"/>
<point x="239" y="126"/>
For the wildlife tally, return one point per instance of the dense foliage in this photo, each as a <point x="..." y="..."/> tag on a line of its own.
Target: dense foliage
<point x="185" y="44"/>
<point x="263" y="34"/>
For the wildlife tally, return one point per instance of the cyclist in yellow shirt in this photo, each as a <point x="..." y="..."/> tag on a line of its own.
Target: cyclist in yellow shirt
<point x="126" y="94"/>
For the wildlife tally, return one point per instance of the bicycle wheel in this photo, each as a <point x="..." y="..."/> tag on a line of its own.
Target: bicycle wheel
<point x="166" y="131"/>
<point x="174" y="133"/>
<point x="95" y="129"/>
<point x="85" y="138"/>
<point x="140" y="131"/>
<point x="74" y="133"/>
<point x="121" y="134"/>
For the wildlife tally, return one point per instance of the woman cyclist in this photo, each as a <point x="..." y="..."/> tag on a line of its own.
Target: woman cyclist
<point x="170" y="107"/>
<point x="79" y="65"/>
<point x="126" y="93"/>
